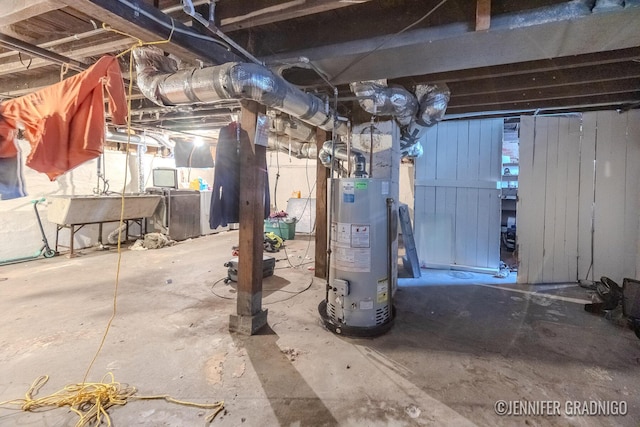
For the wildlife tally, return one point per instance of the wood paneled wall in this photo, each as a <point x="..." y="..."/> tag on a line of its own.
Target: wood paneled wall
<point x="457" y="205"/>
<point x="578" y="197"/>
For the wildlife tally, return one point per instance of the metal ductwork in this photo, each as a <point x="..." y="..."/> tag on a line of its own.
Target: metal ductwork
<point x="340" y="152"/>
<point x="301" y="150"/>
<point x="433" y="100"/>
<point x="159" y="80"/>
<point x="378" y="99"/>
<point x="145" y="139"/>
<point x="299" y="130"/>
<point x="294" y="128"/>
<point x="414" y="113"/>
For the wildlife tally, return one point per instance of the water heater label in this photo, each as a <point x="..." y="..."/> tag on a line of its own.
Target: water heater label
<point x="342" y="233"/>
<point x="360" y="236"/>
<point x="351" y="259"/>
<point x="362" y="185"/>
<point x="385" y="188"/>
<point x="348" y="192"/>
<point x="366" y="305"/>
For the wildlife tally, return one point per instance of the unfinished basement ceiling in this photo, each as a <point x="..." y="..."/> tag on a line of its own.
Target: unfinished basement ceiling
<point x="537" y="55"/>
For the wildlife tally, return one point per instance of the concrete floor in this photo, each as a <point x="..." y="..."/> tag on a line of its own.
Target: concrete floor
<point x="452" y="353"/>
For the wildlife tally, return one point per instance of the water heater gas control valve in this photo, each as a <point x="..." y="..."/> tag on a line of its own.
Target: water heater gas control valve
<point x="341" y="287"/>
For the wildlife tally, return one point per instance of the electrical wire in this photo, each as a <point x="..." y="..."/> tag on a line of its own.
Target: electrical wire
<point x="214" y="285"/>
<point x="293" y="293"/>
<point x="177" y="30"/>
<point x="386" y="39"/>
<point x="307" y="203"/>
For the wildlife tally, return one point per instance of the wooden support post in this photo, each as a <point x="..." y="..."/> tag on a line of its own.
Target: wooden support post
<point x="322" y="174"/>
<point x="250" y="317"/>
<point x="483" y="15"/>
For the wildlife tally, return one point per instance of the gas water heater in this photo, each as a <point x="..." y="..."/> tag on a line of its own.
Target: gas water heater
<point x="359" y="298"/>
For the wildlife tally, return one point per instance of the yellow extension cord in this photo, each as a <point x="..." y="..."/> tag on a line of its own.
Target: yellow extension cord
<point x="91" y="401"/>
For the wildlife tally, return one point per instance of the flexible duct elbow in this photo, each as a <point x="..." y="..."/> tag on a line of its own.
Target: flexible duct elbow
<point x="325" y="156"/>
<point x="433" y="100"/>
<point x="339" y="152"/>
<point x="160" y="81"/>
<point x="375" y="98"/>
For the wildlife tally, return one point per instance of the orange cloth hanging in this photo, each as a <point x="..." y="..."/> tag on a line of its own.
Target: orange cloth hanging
<point x="64" y="123"/>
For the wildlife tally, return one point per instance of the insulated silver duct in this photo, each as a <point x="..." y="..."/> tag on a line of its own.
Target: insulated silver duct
<point x="148" y="140"/>
<point x="160" y="81"/>
<point x="301" y="150"/>
<point x="299" y="130"/>
<point x="357" y="159"/>
<point x="378" y="99"/>
<point x="429" y="103"/>
<point x="433" y="100"/>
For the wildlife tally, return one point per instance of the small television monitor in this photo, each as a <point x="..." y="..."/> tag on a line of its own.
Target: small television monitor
<point x="165" y="177"/>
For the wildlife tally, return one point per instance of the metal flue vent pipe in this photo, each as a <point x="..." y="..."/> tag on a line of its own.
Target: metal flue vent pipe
<point x="340" y="152"/>
<point x="161" y="81"/>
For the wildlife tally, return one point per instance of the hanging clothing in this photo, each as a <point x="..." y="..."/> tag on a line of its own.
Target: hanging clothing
<point x="11" y="180"/>
<point x="64" y="123"/>
<point x="225" y="200"/>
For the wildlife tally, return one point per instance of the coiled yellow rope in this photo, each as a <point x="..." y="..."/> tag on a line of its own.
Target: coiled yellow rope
<point x="90" y="401"/>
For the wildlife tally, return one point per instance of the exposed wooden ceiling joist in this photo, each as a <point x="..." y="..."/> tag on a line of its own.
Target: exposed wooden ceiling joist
<point x="149" y="24"/>
<point x="520" y="63"/>
<point x="454" y="48"/>
<point x="573" y="104"/>
<point x="553" y="65"/>
<point x="77" y="54"/>
<point x="13" y="11"/>
<point x="588" y="75"/>
<point x="578" y="90"/>
<point x="277" y="13"/>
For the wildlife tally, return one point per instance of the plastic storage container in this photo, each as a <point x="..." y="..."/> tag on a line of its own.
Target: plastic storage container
<point x="283" y="227"/>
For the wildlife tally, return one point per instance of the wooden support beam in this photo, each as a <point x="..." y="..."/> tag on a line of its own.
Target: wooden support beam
<point x="322" y="174"/>
<point x="250" y="317"/>
<point x="483" y="15"/>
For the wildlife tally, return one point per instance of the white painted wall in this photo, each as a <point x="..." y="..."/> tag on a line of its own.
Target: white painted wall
<point x="19" y="233"/>
<point x="295" y="175"/>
